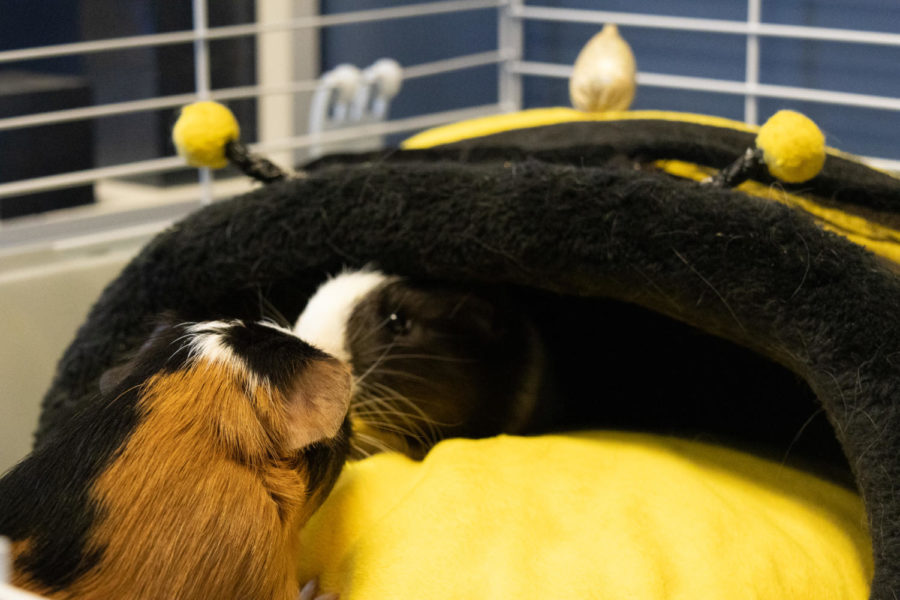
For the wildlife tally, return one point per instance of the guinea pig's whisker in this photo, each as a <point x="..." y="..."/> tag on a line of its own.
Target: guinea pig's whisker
<point x="370" y="402"/>
<point x="390" y="393"/>
<point x="384" y="410"/>
<point x="181" y="338"/>
<point x="387" y="426"/>
<point x="274" y="322"/>
<point x="358" y="453"/>
<point x="395" y="421"/>
<point x="270" y="313"/>
<point x="374" y="365"/>
<point x="436" y="357"/>
<point x="400" y="346"/>
<point x="404" y="375"/>
<point x="462" y="300"/>
<point x="412" y="430"/>
<point x="373" y="441"/>
<point x="124" y="392"/>
<point x="358" y="337"/>
<point x="420" y="415"/>
<point x="377" y="353"/>
<point x="179" y="343"/>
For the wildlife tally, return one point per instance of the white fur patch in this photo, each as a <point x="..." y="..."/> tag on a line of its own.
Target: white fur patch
<point x="207" y="344"/>
<point x="323" y="322"/>
<point x="206" y="340"/>
<point x="276" y="327"/>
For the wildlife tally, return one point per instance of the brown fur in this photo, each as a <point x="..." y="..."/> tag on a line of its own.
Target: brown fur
<point x="205" y="498"/>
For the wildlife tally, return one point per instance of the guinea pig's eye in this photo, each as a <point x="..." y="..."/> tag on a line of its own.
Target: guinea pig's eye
<point x="398" y="324"/>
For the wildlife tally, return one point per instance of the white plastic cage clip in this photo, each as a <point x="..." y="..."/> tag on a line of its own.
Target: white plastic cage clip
<point x="380" y="83"/>
<point x="347" y="97"/>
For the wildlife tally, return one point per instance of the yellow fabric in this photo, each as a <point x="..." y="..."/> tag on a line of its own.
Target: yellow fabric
<point x="201" y="132"/>
<point x="878" y="238"/>
<point x="594" y="515"/>
<point x="536" y="117"/>
<point x="793" y="146"/>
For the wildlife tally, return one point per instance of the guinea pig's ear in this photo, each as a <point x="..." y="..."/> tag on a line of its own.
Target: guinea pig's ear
<point x="317" y="402"/>
<point x="113" y="376"/>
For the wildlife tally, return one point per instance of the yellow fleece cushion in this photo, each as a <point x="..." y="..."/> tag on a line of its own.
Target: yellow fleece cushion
<point x="594" y="515"/>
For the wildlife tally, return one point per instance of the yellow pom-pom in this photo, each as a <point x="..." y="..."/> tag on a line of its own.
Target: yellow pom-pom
<point x="201" y="132"/>
<point x="793" y="146"/>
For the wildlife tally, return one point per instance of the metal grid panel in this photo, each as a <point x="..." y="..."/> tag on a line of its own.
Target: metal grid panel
<point x="755" y="31"/>
<point x="510" y="53"/>
<point x="38" y="231"/>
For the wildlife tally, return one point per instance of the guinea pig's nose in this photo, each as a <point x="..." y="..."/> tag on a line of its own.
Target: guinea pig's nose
<point x="318" y="401"/>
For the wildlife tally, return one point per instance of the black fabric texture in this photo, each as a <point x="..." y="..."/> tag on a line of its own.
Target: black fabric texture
<point x="591" y="143"/>
<point x="615" y="261"/>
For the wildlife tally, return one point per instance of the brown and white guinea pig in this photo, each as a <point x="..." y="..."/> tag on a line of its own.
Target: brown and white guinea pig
<point x="189" y="476"/>
<point x="430" y="360"/>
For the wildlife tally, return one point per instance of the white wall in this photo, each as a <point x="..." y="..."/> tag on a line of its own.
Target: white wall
<point x="44" y="297"/>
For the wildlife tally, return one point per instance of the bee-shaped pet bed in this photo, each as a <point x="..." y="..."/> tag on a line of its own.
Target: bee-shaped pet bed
<point x="616" y="230"/>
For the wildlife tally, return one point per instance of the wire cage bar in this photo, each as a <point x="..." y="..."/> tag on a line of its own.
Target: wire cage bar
<point x="509" y="57"/>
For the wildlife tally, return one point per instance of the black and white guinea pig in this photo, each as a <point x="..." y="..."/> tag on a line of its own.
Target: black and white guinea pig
<point x="190" y="474"/>
<point x="430" y="360"/>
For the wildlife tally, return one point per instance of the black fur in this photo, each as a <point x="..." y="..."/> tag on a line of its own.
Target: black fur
<point x="460" y="355"/>
<point x="277" y="356"/>
<point x="46" y="497"/>
<point x="747" y="270"/>
<point x="324" y="460"/>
